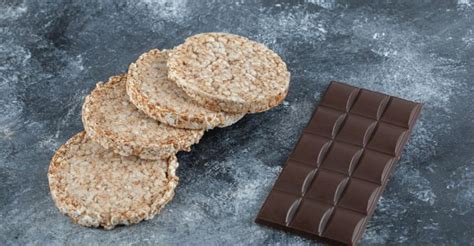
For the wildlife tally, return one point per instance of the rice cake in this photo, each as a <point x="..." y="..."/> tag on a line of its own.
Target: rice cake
<point x="226" y="72"/>
<point x="149" y="88"/>
<point x="110" y="119"/>
<point x="99" y="188"/>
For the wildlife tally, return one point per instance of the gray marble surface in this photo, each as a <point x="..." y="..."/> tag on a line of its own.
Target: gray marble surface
<point x="53" y="52"/>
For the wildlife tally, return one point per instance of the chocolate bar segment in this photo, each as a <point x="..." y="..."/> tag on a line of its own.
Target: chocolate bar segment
<point x="312" y="217"/>
<point x="310" y="149"/>
<point x="340" y="96"/>
<point x="326" y="122"/>
<point x="331" y="183"/>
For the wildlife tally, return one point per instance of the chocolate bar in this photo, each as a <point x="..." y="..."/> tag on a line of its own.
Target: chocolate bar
<point x="331" y="183"/>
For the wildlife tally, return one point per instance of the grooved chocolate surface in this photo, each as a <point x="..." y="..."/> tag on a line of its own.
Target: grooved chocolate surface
<point x="330" y="184"/>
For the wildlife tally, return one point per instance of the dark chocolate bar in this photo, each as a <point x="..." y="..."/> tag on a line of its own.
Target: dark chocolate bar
<point x="331" y="183"/>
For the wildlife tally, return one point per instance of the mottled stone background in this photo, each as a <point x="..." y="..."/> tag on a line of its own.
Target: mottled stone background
<point x="53" y="52"/>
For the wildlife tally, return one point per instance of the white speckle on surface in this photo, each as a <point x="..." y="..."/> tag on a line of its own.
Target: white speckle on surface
<point x="406" y="72"/>
<point x="379" y="233"/>
<point x="417" y="185"/>
<point x="50" y="143"/>
<point x="296" y="24"/>
<point x="468" y="39"/>
<point x="384" y="52"/>
<point x="74" y="106"/>
<point x="11" y="107"/>
<point x="327" y="4"/>
<point x="378" y="35"/>
<point x="431" y="226"/>
<point x="464" y="3"/>
<point x="170" y="10"/>
<point x="321" y="29"/>
<point x="422" y="144"/>
<point x="6" y="133"/>
<point x="76" y="63"/>
<point x="463" y="187"/>
<point x="12" y="12"/>
<point x="376" y="237"/>
<point x="317" y="95"/>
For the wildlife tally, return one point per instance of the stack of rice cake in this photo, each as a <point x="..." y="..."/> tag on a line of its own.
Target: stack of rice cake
<point x="122" y="168"/>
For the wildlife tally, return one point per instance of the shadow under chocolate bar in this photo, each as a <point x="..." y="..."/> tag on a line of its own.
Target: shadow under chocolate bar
<point x="331" y="183"/>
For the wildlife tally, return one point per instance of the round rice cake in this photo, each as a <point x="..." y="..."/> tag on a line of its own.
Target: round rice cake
<point x="99" y="188"/>
<point x="149" y="88"/>
<point x="110" y="119"/>
<point x="226" y="72"/>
